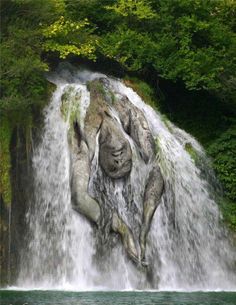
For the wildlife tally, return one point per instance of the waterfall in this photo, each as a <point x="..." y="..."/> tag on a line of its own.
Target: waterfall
<point x="9" y="246"/>
<point x="187" y="245"/>
<point x="190" y="244"/>
<point x="58" y="236"/>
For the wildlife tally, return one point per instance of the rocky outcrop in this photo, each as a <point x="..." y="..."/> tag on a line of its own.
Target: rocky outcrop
<point x="106" y="155"/>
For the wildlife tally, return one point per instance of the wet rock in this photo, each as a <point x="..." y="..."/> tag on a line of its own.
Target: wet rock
<point x="126" y="235"/>
<point x="103" y="160"/>
<point x="136" y="125"/>
<point x="115" y="154"/>
<point x="81" y="201"/>
<point x="94" y="115"/>
<point x="153" y="191"/>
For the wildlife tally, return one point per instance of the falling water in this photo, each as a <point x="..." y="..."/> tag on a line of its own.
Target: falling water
<point x="187" y="247"/>
<point x="189" y="244"/>
<point x="59" y="237"/>
<point x="9" y="247"/>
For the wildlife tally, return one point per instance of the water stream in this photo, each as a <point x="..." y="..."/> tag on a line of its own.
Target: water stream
<point x="187" y="244"/>
<point x="9" y="246"/>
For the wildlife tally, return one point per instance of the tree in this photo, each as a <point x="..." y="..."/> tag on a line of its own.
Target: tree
<point x="139" y="9"/>
<point x="29" y="30"/>
<point x="69" y="37"/>
<point x="191" y="40"/>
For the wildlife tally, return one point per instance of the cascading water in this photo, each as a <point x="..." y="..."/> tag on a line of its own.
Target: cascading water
<point x="186" y="244"/>
<point x="58" y="236"/>
<point x="190" y="245"/>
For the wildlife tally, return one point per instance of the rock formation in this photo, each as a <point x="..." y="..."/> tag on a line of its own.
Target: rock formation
<point x="109" y="148"/>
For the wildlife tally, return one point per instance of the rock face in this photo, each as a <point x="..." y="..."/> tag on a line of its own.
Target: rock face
<point x="115" y="154"/>
<point x="115" y="144"/>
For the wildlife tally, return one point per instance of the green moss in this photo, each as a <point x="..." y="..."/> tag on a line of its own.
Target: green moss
<point x="192" y="152"/>
<point x="157" y="145"/>
<point x="99" y="88"/>
<point x="104" y="93"/>
<point x="70" y="108"/>
<point x="160" y="157"/>
<point x="113" y="98"/>
<point x="143" y="90"/>
<point x="5" y="160"/>
<point x="96" y="86"/>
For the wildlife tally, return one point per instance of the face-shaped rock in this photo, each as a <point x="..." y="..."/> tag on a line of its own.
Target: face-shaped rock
<point x="115" y="155"/>
<point x="115" y="160"/>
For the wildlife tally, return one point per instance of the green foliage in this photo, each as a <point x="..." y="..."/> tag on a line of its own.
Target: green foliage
<point x="190" y="41"/>
<point x="228" y="209"/>
<point x="95" y="11"/>
<point x="223" y="152"/>
<point x="130" y="48"/>
<point x="5" y="162"/>
<point x="202" y="46"/>
<point x="143" y="90"/>
<point x="30" y="29"/>
<point x="201" y="49"/>
<point x="139" y="9"/>
<point x="22" y="84"/>
<point x="62" y="37"/>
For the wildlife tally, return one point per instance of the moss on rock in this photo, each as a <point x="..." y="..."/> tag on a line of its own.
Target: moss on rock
<point x="5" y="161"/>
<point x="192" y="152"/>
<point x="70" y="108"/>
<point x="143" y="90"/>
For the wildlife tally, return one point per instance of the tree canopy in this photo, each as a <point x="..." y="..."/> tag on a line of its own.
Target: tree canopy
<point x="189" y="40"/>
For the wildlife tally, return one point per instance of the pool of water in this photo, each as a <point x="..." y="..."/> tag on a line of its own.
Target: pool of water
<point x="36" y="297"/>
